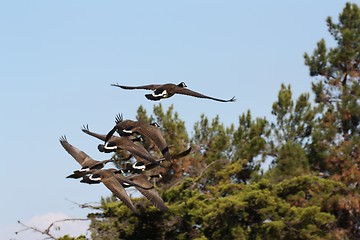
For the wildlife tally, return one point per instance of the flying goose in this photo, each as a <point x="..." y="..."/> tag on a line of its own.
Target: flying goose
<point x="135" y="149"/>
<point x="89" y="180"/>
<point x="151" y="131"/>
<point x="149" y="191"/>
<point x="139" y="166"/>
<point x="102" y="137"/>
<point x="129" y="125"/>
<point x="115" y="143"/>
<point x="87" y="163"/>
<point x="101" y="147"/>
<point x="167" y="90"/>
<point x="115" y="183"/>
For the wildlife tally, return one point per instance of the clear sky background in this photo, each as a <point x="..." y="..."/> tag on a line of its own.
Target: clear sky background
<point x="58" y="59"/>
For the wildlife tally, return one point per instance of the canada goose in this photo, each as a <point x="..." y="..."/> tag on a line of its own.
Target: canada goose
<point x="88" y="179"/>
<point x="115" y="143"/>
<point x="86" y="162"/>
<point x="128" y="127"/>
<point x="128" y="124"/>
<point x="149" y="191"/>
<point x="83" y="171"/>
<point x="115" y="183"/>
<point x="139" y="167"/>
<point x="167" y="90"/>
<point x="101" y="147"/>
<point x="102" y="137"/>
<point x="135" y="149"/>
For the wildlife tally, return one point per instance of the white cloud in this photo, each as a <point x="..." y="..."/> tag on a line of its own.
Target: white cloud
<point x="73" y="228"/>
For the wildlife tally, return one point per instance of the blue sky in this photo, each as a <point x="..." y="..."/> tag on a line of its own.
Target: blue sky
<point x="58" y="59"/>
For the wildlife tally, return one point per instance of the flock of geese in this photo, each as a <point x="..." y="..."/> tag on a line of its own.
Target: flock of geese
<point x="130" y="137"/>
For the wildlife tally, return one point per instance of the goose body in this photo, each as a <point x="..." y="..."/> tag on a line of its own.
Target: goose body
<point x="116" y="143"/>
<point x="135" y="149"/>
<point x="150" y="131"/>
<point x="149" y="191"/>
<point x="140" y="166"/>
<point x="114" y="182"/>
<point x="87" y="163"/>
<point x="162" y="91"/>
<point x="102" y="137"/>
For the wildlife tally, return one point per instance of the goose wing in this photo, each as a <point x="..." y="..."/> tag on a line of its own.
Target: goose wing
<point x="124" y="128"/>
<point x="86" y="130"/>
<point x="80" y="156"/>
<point x="110" y="133"/>
<point x="118" y="190"/>
<point x="182" y="154"/>
<point x="135" y="149"/>
<point x="186" y="91"/>
<point x="151" y="194"/>
<point x="154" y="133"/>
<point x="150" y="166"/>
<point x="147" y="87"/>
<point x="128" y="181"/>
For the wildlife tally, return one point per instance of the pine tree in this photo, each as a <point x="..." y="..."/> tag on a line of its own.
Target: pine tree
<point x="335" y="147"/>
<point x="249" y="149"/>
<point x="337" y="92"/>
<point x="290" y="135"/>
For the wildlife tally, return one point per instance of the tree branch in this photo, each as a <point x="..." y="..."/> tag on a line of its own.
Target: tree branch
<point x="204" y="171"/>
<point x="49" y="228"/>
<point x="85" y="205"/>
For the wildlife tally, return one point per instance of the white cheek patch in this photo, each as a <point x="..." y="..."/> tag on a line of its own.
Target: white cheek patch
<point x="127" y="131"/>
<point x="155" y="124"/>
<point x="109" y="148"/>
<point x="84" y="169"/>
<point x="94" y="179"/>
<point x="154" y="176"/>
<point x="141" y="167"/>
<point x="162" y="94"/>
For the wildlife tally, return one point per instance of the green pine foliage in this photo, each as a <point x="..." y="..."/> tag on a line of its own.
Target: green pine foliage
<point x="67" y="237"/>
<point x="230" y="211"/>
<point x="310" y="190"/>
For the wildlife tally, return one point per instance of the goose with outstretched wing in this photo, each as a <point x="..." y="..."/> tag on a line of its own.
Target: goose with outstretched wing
<point x="161" y="91"/>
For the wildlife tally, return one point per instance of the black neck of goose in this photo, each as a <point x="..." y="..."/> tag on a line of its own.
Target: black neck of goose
<point x="182" y="84"/>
